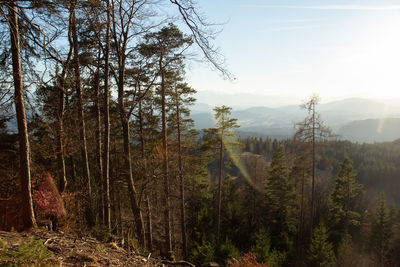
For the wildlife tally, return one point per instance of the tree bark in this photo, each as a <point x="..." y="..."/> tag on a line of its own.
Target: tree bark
<point x="313" y="171"/>
<point x="106" y="145"/>
<point x="82" y="130"/>
<point x="28" y="216"/>
<point x="99" y="164"/>
<point x="127" y="155"/>
<point x="62" y="179"/>
<point x="167" y="208"/>
<point x="121" y="47"/>
<point x="149" y="235"/>
<point x="181" y="178"/>
<point x="219" y="199"/>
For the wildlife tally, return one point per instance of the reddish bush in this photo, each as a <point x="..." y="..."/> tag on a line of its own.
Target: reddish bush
<point x="248" y="260"/>
<point x="48" y="198"/>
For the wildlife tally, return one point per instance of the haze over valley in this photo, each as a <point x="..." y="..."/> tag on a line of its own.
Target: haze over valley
<point x="355" y="119"/>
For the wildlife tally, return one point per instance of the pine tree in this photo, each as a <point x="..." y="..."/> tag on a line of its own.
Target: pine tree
<point x="321" y="250"/>
<point x="344" y="198"/>
<point x="281" y="202"/>
<point x="381" y="232"/>
<point x="309" y="132"/>
<point x="165" y="47"/>
<point x="224" y="134"/>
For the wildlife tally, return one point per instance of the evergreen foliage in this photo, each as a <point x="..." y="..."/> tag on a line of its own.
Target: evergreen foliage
<point x="321" y="251"/>
<point x="281" y="209"/>
<point x="265" y="253"/>
<point x="344" y="199"/>
<point x="381" y="231"/>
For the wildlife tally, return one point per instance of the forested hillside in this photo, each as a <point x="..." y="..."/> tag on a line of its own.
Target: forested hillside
<point x="104" y="147"/>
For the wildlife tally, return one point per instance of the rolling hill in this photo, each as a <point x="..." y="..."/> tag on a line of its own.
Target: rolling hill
<point x="355" y="119"/>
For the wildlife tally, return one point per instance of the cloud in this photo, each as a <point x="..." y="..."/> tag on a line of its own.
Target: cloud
<point x="295" y="20"/>
<point x="334" y="7"/>
<point x="351" y="7"/>
<point x="290" y="28"/>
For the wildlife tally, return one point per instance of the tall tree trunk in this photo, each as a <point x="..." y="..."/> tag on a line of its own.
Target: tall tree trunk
<point x="167" y="207"/>
<point x="106" y="146"/>
<point x="121" y="49"/>
<point x="99" y="165"/>
<point x="28" y="216"/>
<point x="181" y="178"/>
<point x="149" y="229"/>
<point x="82" y="131"/>
<point x="118" y="210"/>
<point x="219" y="198"/>
<point x="149" y="236"/>
<point x="127" y="155"/>
<point x="62" y="179"/>
<point x="313" y="171"/>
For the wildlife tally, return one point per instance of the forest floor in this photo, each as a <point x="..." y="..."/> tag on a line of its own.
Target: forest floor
<point x="39" y="247"/>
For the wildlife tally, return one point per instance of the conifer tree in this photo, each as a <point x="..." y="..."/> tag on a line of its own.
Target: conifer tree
<point x="321" y="250"/>
<point x="165" y="47"/>
<point x="309" y="132"/>
<point x="381" y="231"/>
<point x="346" y="193"/>
<point x="182" y="97"/>
<point x="223" y="131"/>
<point x="281" y="201"/>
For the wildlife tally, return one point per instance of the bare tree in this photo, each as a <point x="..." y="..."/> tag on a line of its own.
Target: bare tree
<point x="122" y="26"/>
<point x="28" y="216"/>
<point x="106" y="107"/>
<point x="309" y="131"/>
<point x="82" y="130"/>
<point x="203" y="33"/>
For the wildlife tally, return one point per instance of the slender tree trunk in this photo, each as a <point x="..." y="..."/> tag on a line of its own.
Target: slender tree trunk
<point x="121" y="47"/>
<point x="219" y="199"/>
<point x="167" y="207"/>
<point x="127" y="155"/>
<point x="62" y="179"/>
<point x="99" y="165"/>
<point x="82" y="131"/>
<point x="28" y="216"/>
<point x="313" y="171"/>
<point x="181" y="179"/>
<point x="149" y="236"/>
<point x="118" y="211"/>
<point x="106" y="152"/>
<point x="131" y="186"/>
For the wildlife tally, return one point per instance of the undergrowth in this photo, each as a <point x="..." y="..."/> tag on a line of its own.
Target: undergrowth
<point x="31" y="252"/>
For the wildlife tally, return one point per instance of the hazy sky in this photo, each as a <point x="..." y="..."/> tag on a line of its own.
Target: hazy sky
<point x="294" y="48"/>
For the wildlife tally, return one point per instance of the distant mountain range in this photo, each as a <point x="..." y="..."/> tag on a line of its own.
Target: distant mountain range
<point x="355" y="119"/>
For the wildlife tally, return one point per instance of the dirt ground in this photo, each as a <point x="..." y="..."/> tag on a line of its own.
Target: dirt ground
<point x="66" y="249"/>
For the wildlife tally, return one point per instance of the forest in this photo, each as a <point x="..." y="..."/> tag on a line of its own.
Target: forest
<point x="96" y="138"/>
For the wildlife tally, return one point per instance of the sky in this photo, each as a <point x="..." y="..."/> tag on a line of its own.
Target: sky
<point x="292" y="49"/>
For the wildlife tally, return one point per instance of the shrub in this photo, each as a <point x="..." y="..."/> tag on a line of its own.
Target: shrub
<point x="248" y="260"/>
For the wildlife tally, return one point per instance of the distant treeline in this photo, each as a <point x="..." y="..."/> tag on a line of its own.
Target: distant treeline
<point x="377" y="164"/>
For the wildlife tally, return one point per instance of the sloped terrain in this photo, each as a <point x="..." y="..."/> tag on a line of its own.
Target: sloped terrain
<point x="40" y="247"/>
